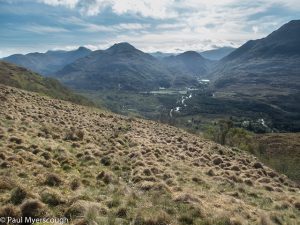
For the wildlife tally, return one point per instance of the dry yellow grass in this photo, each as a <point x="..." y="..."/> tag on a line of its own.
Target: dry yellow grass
<point x="93" y="166"/>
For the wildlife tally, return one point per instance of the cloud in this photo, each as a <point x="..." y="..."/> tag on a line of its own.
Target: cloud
<point x="255" y="29"/>
<point x="132" y="26"/>
<point x="93" y="7"/>
<point x="165" y="25"/>
<point x="145" y="8"/>
<point x="170" y="26"/>
<point x="160" y="8"/>
<point x="154" y="8"/>
<point x="40" y="29"/>
<point x="93" y="27"/>
<point x="217" y="20"/>
<point x="167" y="41"/>
<point x="292" y="4"/>
<point x="68" y="3"/>
<point x="90" y="27"/>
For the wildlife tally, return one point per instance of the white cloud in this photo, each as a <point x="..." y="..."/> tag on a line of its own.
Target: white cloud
<point x="169" y="25"/>
<point x="132" y="26"/>
<point x="93" y="7"/>
<point x="67" y="3"/>
<point x="201" y="26"/>
<point x="92" y="27"/>
<point x="166" y="42"/>
<point x="160" y="8"/>
<point x="255" y="29"/>
<point x="292" y="4"/>
<point x="40" y="29"/>
<point x="145" y="8"/>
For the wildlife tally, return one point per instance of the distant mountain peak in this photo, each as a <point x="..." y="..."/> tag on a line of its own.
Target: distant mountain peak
<point x="122" y="46"/>
<point x="48" y="52"/>
<point x="121" y="66"/>
<point x="190" y="54"/>
<point x="81" y="48"/>
<point x="49" y="62"/>
<point x="189" y="62"/>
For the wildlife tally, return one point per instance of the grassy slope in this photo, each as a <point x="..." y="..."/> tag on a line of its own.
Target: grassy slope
<point x="199" y="113"/>
<point x="99" y="167"/>
<point x="282" y="152"/>
<point x="19" y="77"/>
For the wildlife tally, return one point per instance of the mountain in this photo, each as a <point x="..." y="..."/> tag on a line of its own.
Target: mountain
<point x="188" y="63"/>
<point x="122" y="66"/>
<point x="19" y="77"/>
<point x="217" y="54"/>
<point x="266" y="71"/>
<point x="160" y="55"/>
<point x="61" y="160"/>
<point x="214" y="54"/>
<point x="283" y="42"/>
<point x="47" y="63"/>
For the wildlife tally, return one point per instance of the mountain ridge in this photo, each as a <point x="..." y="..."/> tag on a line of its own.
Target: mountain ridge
<point x="47" y="63"/>
<point x="261" y="71"/>
<point x="121" y="66"/>
<point x="283" y="41"/>
<point x="218" y="53"/>
<point x="189" y="62"/>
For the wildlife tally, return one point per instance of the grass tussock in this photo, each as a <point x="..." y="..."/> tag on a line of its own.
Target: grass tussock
<point x="93" y="167"/>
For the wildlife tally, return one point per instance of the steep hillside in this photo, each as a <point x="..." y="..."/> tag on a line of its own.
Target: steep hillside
<point x="282" y="152"/>
<point x="58" y="159"/>
<point x="282" y="42"/>
<point x="122" y="67"/>
<point x="217" y="54"/>
<point x="188" y="63"/>
<point x="47" y="63"/>
<point x="266" y="71"/>
<point x="271" y="62"/>
<point x="19" y="77"/>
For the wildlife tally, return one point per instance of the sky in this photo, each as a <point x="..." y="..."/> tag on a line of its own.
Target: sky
<point x="150" y="25"/>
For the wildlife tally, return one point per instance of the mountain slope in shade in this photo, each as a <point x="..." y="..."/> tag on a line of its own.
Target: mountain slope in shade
<point x="188" y="63"/>
<point x="122" y="66"/>
<point x="266" y="70"/>
<point x="283" y="42"/>
<point x="93" y="167"/>
<point x="23" y="78"/>
<point x="160" y="55"/>
<point x="47" y="63"/>
<point x="217" y="54"/>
